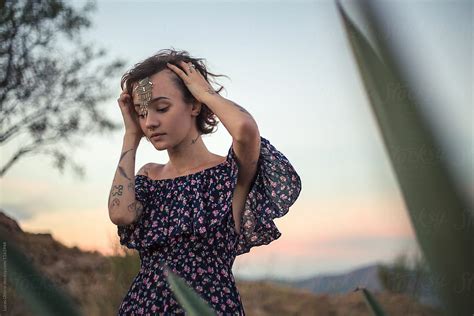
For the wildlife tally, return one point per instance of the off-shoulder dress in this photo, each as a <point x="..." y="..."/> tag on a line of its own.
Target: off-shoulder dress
<point x="187" y="224"/>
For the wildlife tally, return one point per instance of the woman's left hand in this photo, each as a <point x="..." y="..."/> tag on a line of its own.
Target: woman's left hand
<point x="193" y="79"/>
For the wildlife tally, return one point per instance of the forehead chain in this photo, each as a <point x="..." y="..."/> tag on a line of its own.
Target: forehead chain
<point x="143" y="90"/>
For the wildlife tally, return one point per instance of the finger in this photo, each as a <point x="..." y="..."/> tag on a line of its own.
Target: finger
<point x="184" y="64"/>
<point x="121" y="100"/>
<point x="124" y="100"/>
<point x="177" y="70"/>
<point x="190" y="67"/>
<point x="187" y="67"/>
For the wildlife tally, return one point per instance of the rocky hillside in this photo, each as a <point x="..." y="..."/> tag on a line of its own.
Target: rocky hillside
<point x="81" y="274"/>
<point x="97" y="283"/>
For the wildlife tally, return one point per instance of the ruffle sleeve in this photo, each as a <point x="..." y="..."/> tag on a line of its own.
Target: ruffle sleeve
<point x="131" y="235"/>
<point x="275" y="188"/>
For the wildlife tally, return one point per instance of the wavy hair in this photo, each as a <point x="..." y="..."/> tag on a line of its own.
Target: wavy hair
<point x="206" y="120"/>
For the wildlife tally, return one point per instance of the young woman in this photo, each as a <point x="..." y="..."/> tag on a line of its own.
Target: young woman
<point x="198" y="211"/>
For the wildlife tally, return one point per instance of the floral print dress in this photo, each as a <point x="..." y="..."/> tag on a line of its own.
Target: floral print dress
<point x="187" y="224"/>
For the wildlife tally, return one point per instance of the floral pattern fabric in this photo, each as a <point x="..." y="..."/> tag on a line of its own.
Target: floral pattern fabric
<point x="187" y="225"/>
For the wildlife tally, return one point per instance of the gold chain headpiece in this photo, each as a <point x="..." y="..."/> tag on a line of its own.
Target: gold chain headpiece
<point x="144" y="88"/>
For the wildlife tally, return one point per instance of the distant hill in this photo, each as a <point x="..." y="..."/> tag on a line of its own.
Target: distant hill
<point x="343" y="282"/>
<point x="98" y="283"/>
<point x="366" y="276"/>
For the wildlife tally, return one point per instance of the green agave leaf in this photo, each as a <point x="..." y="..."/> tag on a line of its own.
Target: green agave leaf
<point x="191" y="302"/>
<point x="41" y="296"/>
<point x="440" y="215"/>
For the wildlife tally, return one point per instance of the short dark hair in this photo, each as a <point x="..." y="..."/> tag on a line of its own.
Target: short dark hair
<point x="206" y="120"/>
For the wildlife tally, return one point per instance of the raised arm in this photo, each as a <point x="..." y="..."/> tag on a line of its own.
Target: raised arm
<point x="124" y="209"/>
<point x="123" y="206"/>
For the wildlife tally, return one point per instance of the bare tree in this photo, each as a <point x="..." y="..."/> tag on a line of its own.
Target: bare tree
<point x="50" y="80"/>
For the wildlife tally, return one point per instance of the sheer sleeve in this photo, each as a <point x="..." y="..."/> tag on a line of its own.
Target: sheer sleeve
<point x="132" y="235"/>
<point x="275" y="188"/>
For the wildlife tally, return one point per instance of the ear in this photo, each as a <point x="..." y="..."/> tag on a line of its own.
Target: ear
<point x="197" y="106"/>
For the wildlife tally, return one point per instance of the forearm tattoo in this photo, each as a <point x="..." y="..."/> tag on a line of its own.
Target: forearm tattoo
<point x="136" y="208"/>
<point x="211" y="91"/>
<point x="120" y="169"/>
<point x="123" y="173"/>
<point x="131" y="187"/>
<point x="123" y="154"/>
<point x="115" y="192"/>
<point x="115" y="203"/>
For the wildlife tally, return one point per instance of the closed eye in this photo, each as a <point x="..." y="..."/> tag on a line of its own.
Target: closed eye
<point x="162" y="110"/>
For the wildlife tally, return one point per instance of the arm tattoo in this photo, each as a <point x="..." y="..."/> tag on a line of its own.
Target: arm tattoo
<point x="210" y="90"/>
<point x="117" y="190"/>
<point x="123" y="154"/>
<point x="115" y="203"/>
<point x="131" y="187"/>
<point x="137" y="208"/>
<point x="122" y="172"/>
<point x="241" y="109"/>
<point x="120" y="169"/>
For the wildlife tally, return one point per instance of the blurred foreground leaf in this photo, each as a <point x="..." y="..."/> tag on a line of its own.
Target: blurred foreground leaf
<point x="440" y="214"/>
<point x="371" y="302"/>
<point x="191" y="302"/>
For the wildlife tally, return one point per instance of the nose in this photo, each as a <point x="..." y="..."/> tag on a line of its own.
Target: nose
<point x="150" y="123"/>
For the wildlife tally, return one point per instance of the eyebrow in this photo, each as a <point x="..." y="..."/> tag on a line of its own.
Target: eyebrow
<point x="153" y="100"/>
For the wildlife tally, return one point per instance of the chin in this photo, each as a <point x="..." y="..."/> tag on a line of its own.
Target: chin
<point x="159" y="145"/>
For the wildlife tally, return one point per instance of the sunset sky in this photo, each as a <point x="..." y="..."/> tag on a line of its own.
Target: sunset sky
<point x="291" y="67"/>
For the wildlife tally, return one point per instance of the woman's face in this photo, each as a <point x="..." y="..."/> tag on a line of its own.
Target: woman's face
<point x="167" y="112"/>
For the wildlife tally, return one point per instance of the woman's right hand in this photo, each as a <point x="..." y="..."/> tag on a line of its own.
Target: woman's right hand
<point x="130" y="116"/>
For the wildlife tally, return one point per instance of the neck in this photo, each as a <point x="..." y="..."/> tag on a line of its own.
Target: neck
<point x="189" y="154"/>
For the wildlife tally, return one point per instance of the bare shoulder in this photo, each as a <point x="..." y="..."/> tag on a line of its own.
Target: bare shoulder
<point x="149" y="169"/>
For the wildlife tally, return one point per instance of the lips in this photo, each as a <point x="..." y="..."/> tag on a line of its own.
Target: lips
<point x="156" y="134"/>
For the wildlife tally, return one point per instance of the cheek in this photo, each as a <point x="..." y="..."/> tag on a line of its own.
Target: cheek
<point x="142" y="122"/>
